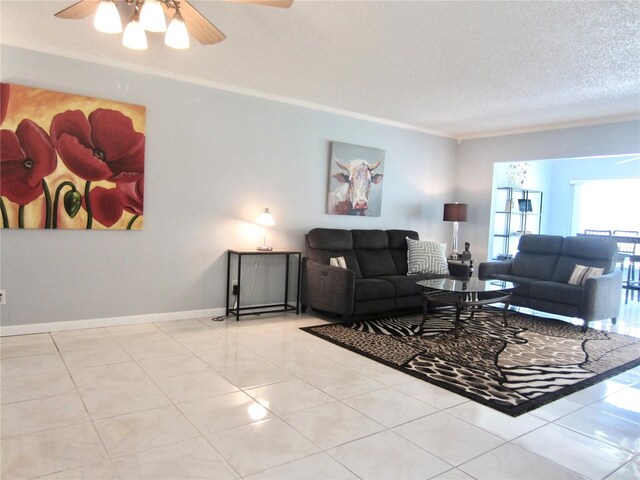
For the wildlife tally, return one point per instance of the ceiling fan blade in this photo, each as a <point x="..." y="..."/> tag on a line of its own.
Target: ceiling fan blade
<point x="268" y="3"/>
<point x="202" y="29"/>
<point x="81" y="9"/>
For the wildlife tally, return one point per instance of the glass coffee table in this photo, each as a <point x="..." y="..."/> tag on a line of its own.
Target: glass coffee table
<point x="465" y="294"/>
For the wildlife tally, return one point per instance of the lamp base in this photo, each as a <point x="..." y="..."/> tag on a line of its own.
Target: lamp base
<point x="263" y="248"/>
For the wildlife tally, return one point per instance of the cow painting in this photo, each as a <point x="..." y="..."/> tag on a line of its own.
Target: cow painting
<point x="355" y="183"/>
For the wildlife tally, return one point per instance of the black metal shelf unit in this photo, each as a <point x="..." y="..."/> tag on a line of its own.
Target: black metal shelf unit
<point x="522" y="215"/>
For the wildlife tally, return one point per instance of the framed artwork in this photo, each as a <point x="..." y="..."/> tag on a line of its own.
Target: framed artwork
<point x="355" y="180"/>
<point x="70" y="162"/>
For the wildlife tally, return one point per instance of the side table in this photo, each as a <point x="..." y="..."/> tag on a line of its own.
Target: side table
<point x="464" y="262"/>
<point x="238" y="311"/>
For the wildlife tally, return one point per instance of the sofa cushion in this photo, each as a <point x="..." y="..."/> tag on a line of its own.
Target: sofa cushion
<point x="556" y="292"/>
<point x="588" y="251"/>
<point x="405" y="285"/>
<point x="534" y="265"/>
<point x="372" y="251"/>
<point x="547" y="244"/>
<point x="330" y="239"/>
<point x="373" y="288"/>
<point x="370" y="239"/>
<point x="398" y="248"/>
<point x="537" y="256"/>
<point x="426" y="257"/>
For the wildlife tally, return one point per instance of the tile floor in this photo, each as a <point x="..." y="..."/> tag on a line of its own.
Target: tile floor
<point x="260" y="399"/>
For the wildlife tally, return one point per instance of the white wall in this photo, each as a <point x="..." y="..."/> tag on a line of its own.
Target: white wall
<point x="477" y="157"/>
<point x="214" y="159"/>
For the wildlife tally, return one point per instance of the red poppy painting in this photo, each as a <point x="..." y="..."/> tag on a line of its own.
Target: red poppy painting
<point x="68" y="161"/>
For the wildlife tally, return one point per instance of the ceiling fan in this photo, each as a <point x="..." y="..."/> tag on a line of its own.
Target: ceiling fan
<point x="185" y="18"/>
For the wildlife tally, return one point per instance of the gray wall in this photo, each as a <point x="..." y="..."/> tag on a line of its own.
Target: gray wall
<point x="476" y="160"/>
<point x="214" y="159"/>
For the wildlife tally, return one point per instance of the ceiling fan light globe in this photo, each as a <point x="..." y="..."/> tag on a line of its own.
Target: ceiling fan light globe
<point x="152" y="17"/>
<point x="134" y="36"/>
<point x="107" y="18"/>
<point x="177" y="35"/>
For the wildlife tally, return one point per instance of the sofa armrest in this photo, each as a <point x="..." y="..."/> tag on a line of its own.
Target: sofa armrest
<point x="486" y="269"/>
<point x="601" y="296"/>
<point x="459" y="270"/>
<point x="327" y="288"/>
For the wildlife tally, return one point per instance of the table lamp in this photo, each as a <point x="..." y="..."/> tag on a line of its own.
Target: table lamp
<point x="265" y="220"/>
<point x="455" y="212"/>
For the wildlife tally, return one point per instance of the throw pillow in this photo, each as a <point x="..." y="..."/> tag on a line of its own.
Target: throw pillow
<point x="581" y="273"/>
<point x="338" y="262"/>
<point x="425" y="257"/>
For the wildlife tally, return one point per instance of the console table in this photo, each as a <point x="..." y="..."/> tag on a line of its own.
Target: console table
<point x="238" y="311"/>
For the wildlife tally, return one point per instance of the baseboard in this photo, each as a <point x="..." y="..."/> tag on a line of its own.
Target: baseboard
<point x="108" y="322"/>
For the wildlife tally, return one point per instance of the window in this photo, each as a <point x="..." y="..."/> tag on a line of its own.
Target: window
<point x="605" y="205"/>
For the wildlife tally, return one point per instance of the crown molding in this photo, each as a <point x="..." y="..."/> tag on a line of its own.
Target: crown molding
<point x="108" y="62"/>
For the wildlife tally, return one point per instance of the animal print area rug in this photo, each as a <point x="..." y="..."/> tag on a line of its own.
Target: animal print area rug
<point x="513" y="369"/>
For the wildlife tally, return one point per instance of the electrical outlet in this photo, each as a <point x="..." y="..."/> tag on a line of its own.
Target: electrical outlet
<point x="235" y="289"/>
<point x="3" y="297"/>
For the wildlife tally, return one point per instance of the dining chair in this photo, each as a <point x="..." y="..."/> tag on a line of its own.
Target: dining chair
<point x="627" y="250"/>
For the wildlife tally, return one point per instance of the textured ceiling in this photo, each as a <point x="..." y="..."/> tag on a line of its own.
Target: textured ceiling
<point x="461" y="69"/>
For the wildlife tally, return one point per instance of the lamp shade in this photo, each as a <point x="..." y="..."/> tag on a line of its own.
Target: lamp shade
<point x="455" y="212"/>
<point x="265" y="219"/>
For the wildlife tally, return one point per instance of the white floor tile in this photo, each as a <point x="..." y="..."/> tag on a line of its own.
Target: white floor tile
<point x="508" y="462"/>
<point x="261" y="445"/>
<point x="30" y="416"/>
<point x="629" y="471"/>
<point x="494" y="422"/>
<point x="138" y="431"/>
<point x="26" y="345"/>
<point x="222" y="412"/>
<point x="315" y="467"/>
<point x="123" y="398"/>
<point x="105" y="376"/>
<point x="447" y="437"/>
<point x="555" y="410"/>
<point x="387" y="455"/>
<point x="288" y="397"/>
<point x="332" y="424"/>
<point x="389" y="407"/>
<point x="50" y="451"/>
<point x="190" y="459"/>
<point x="98" y="471"/>
<point x="26" y="378"/>
<point x="344" y="383"/>
<point x="624" y="404"/>
<point x="193" y="386"/>
<point x="605" y="427"/>
<point x="383" y="374"/>
<point x="588" y="457"/>
<point x="169" y="366"/>
<point x="255" y="374"/>
<point x="436" y="396"/>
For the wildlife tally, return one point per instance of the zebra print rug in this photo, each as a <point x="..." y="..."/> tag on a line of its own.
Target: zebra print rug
<point x="513" y="369"/>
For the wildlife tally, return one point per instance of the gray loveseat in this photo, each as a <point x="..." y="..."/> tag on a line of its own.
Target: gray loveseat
<point x="375" y="280"/>
<point x="542" y="268"/>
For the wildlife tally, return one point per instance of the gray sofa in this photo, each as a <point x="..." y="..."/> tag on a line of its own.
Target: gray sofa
<point x="375" y="280"/>
<point x="542" y="268"/>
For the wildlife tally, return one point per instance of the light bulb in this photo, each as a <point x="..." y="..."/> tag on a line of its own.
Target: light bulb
<point x="177" y="35"/>
<point x="134" y="36"/>
<point x="152" y="17"/>
<point x="107" y="18"/>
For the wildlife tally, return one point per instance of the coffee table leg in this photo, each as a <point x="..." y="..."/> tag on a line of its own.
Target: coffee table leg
<point x="425" y="306"/>
<point x="504" y="314"/>
<point x="458" y="310"/>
